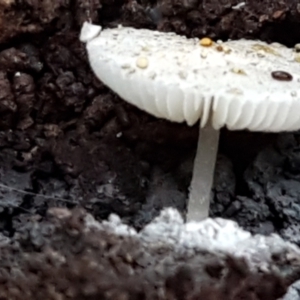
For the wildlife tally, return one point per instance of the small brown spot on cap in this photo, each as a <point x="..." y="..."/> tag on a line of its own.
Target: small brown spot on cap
<point x="282" y="76"/>
<point x="219" y="48"/>
<point x="238" y="71"/>
<point x="297" y="48"/>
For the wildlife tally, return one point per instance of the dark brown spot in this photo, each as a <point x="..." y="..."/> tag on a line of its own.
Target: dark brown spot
<point x="282" y="76"/>
<point x="219" y="48"/>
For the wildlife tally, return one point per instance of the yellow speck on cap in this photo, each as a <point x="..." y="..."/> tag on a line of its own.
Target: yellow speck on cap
<point x="206" y="42"/>
<point x="142" y="62"/>
<point x="203" y="54"/>
<point x="297" y="57"/>
<point x="226" y="49"/>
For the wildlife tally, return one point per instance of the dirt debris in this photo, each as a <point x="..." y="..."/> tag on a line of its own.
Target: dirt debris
<point x="62" y="258"/>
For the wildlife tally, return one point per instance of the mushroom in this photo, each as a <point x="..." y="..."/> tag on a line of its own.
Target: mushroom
<point x="242" y="84"/>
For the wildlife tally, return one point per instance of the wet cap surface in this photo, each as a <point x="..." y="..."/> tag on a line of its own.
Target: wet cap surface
<point x="247" y="84"/>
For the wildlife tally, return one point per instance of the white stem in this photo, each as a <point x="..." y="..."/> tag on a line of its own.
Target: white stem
<point x="203" y="173"/>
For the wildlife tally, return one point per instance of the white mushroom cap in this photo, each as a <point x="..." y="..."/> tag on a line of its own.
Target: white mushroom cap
<point x="89" y="32"/>
<point x="178" y="79"/>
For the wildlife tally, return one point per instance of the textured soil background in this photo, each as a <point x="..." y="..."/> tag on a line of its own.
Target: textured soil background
<point x="66" y="137"/>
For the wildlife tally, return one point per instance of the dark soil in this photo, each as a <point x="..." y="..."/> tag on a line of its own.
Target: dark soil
<point x="67" y="141"/>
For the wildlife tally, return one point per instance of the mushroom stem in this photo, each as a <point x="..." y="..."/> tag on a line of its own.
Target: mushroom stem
<point x="203" y="173"/>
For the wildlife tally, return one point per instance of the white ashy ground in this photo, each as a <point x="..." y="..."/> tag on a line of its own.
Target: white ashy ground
<point x="214" y="236"/>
